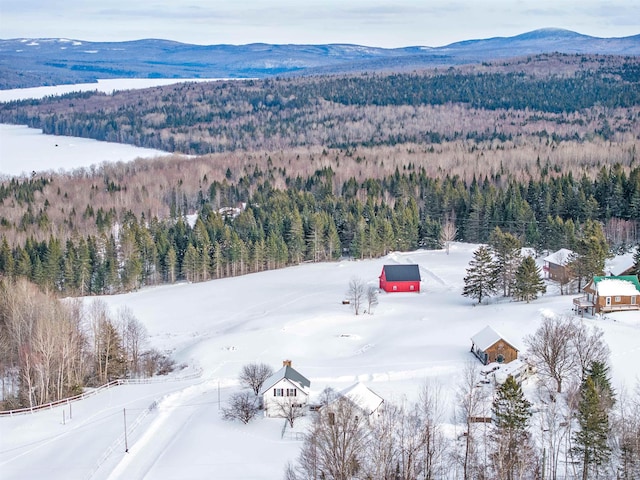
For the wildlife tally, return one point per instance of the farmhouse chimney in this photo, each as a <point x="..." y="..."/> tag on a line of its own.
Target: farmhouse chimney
<point x="286" y="363"/>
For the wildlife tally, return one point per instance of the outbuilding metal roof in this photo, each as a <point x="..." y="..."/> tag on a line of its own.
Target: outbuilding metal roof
<point x="627" y="285"/>
<point x="402" y="273"/>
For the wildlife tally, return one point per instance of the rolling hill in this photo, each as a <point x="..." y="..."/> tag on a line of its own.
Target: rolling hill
<point x="34" y="62"/>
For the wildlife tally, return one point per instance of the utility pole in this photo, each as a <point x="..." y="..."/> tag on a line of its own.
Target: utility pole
<point x="126" y="445"/>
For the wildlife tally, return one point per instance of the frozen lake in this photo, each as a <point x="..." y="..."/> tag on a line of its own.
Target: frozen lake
<point x="24" y="150"/>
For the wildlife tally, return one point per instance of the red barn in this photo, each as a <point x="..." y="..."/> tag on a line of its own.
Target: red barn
<point x="400" y="278"/>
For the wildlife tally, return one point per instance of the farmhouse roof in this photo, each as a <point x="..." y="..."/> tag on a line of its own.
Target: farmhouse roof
<point x="363" y="397"/>
<point x="623" y="285"/>
<point x="561" y="257"/>
<point x="401" y="273"/>
<point x="620" y="264"/>
<point x="290" y="374"/>
<point x="487" y="337"/>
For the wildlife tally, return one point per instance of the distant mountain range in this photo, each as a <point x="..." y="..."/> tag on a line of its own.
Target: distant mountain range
<point x="35" y="62"/>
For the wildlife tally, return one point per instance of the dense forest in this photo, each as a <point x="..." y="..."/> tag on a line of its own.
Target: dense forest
<point x="316" y="168"/>
<point x="249" y="226"/>
<point x="562" y="97"/>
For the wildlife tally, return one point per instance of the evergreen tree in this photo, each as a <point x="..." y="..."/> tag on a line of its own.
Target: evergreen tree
<point x="170" y="265"/>
<point x="592" y="251"/>
<point x="191" y="264"/>
<point x="482" y="275"/>
<point x="593" y="419"/>
<point x="333" y="247"/>
<point x="294" y="236"/>
<point x="636" y="261"/>
<point x="506" y="249"/>
<point x="109" y="353"/>
<point x="529" y="281"/>
<point x="6" y="258"/>
<point x="511" y="414"/>
<point x="599" y="373"/>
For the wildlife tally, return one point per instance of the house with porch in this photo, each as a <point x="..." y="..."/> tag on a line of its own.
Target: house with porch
<point x="609" y="294"/>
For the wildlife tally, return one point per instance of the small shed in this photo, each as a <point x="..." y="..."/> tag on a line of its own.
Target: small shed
<point x="556" y="265"/>
<point x="400" y="278"/>
<point x="489" y="346"/>
<point x="285" y="386"/>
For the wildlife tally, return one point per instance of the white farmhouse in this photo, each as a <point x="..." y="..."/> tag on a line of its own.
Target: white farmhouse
<point x="284" y="387"/>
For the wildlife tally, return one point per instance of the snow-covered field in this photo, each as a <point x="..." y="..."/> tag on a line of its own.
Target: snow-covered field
<point x="296" y="313"/>
<point x="174" y="426"/>
<point x="23" y="149"/>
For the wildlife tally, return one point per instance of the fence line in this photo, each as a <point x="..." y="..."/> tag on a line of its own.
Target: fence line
<point x="95" y="391"/>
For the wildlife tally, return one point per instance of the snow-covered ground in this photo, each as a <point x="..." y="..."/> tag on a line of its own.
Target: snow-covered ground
<point x="23" y="149"/>
<point x="296" y="313"/>
<point x="174" y="427"/>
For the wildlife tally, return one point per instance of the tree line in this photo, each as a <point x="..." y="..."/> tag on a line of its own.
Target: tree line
<point x="52" y="349"/>
<point x="262" y="227"/>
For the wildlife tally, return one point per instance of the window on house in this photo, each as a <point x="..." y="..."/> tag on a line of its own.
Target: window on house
<point x="291" y="392"/>
<point x="278" y="392"/>
<point x="395" y="287"/>
<point x="500" y="358"/>
<point x="411" y="287"/>
<point x="332" y="418"/>
<point x="617" y="299"/>
<point x="633" y="300"/>
<point x="607" y="301"/>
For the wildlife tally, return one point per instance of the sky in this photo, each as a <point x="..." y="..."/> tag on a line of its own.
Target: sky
<point x="379" y="23"/>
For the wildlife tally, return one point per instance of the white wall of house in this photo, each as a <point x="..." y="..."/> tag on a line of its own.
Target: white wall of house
<point x="283" y="392"/>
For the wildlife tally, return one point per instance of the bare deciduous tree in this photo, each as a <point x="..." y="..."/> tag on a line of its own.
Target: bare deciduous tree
<point x="335" y="447"/>
<point x="382" y="455"/>
<point x="435" y="443"/>
<point x="253" y="375"/>
<point x="448" y="232"/>
<point x="134" y="336"/>
<point x="290" y="409"/>
<point x="626" y="428"/>
<point x="589" y="346"/>
<point x="470" y="405"/>
<point x="551" y="349"/>
<point x="356" y="293"/>
<point x="372" y="299"/>
<point x="242" y="406"/>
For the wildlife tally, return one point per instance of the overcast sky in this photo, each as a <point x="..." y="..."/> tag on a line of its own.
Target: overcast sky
<point x="381" y="23"/>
